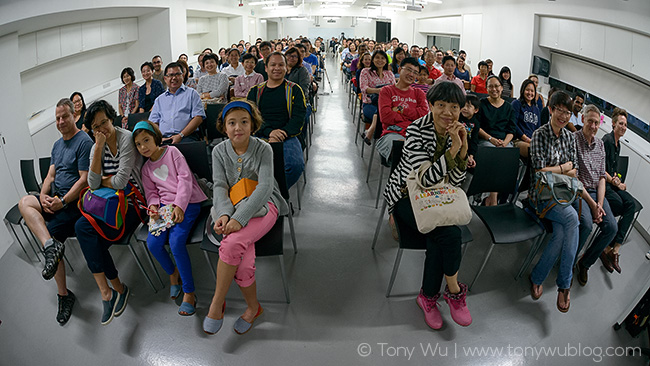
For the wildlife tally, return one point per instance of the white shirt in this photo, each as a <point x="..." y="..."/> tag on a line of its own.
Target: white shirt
<point x="576" y="120"/>
<point x="231" y="71"/>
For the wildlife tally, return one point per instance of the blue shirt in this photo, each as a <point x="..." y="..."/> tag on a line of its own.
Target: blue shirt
<point x="174" y="111"/>
<point x="69" y="157"/>
<point x="528" y="118"/>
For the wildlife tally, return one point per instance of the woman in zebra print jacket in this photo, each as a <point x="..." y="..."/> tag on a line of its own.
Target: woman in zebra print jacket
<point x="439" y="138"/>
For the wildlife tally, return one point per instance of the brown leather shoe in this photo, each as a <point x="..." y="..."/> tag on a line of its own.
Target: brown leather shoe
<point x="613" y="258"/>
<point x="604" y="258"/>
<point x="583" y="276"/>
<point x="535" y="290"/>
<point x="563" y="295"/>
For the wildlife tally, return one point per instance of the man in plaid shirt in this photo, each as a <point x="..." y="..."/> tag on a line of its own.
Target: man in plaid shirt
<point x="591" y="172"/>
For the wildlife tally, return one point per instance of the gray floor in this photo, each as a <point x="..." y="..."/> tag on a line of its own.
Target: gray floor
<point x="338" y="313"/>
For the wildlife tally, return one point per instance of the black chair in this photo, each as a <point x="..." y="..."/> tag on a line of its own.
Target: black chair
<point x="197" y="159"/>
<point x="209" y="125"/>
<point x="28" y="175"/>
<point x="134" y="118"/>
<point x="408" y="238"/>
<point x="44" y="166"/>
<point x="497" y="171"/>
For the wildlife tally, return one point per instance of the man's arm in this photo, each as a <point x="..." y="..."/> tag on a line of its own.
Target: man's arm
<point x="47" y="182"/>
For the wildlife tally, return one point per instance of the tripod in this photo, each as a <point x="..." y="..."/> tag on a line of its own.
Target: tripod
<point x="327" y="77"/>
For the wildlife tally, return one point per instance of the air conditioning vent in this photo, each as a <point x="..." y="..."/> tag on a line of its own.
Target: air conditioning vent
<point x="414" y="8"/>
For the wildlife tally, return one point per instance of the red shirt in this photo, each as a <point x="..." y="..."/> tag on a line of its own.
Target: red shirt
<point x="412" y="103"/>
<point x="434" y="73"/>
<point x="480" y="84"/>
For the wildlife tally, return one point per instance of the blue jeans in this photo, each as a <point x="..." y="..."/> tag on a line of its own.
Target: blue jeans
<point x="177" y="238"/>
<point x="563" y="244"/>
<point x="294" y="163"/>
<point x="608" y="229"/>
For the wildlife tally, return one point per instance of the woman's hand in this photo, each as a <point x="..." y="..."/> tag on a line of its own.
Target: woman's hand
<point x="277" y="135"/>
<point x="100" y="139"/>
<point x="177" y="215"/>
<point x="153" y="212"/>
<point x="231" y="227"/>
<point x="471" y="163"/>
<point x="496" y="142"/>
<point x="220" y="224"/>
<point x="525" y="138"/>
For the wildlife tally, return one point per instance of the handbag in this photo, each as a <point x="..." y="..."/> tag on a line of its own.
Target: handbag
<point x="555" y="189"/>
<point x="109" y="206"/>
<point x="442" y="204"/>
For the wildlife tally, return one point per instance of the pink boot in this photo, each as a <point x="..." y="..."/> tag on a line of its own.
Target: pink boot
<point x="431" y="312"/>
<point x="457" y="306"/>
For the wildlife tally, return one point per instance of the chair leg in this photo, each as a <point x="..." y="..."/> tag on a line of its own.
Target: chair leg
<point x="381" y="175"/>
<point x="298" y="195"/>
<point x="207" y="258"/>
<point x="17" y="238"/>
<point x="398" y="259"/>
<point x="137" y="260"/>
<point x="487" y="256"/>
<point x="631" y="226"/>
<point x="372" y="155"/>
<point x="381" y="218"/>
<point x="284" y="278"/>
<point x="155" y="269"/>
<point x="31" y="244"/>
<point x="531" y="255"/>
<point x="293" y="233"/>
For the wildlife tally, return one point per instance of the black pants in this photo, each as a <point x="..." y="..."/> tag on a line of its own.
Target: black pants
<point x="622" y="204"/>
<point x="443" y="252"/>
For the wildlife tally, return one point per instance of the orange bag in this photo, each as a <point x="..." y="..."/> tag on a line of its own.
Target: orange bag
<point x="242" y="189"/>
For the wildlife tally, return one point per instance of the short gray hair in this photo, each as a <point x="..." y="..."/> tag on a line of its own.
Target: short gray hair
<point x="66" y="102"/>
<point x="590" y="108"/>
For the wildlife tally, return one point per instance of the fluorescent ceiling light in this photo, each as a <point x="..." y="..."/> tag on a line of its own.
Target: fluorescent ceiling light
<point x="254" y="3"/>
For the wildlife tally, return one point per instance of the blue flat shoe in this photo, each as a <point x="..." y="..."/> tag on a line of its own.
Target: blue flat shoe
<point x="242" y="326"/>
<point x="109" y="308"/>
<point x="188" y="308"/>
<point x="212" y="326"/>
<point x="120" y="304"/>
<point x="174" y="291"/>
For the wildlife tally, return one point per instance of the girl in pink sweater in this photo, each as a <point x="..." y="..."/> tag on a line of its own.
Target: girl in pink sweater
<point x="167" y="180"/>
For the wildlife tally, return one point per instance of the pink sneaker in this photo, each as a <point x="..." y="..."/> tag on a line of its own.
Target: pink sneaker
<point x="457" y="306"/>
<point x="431" y="312"/>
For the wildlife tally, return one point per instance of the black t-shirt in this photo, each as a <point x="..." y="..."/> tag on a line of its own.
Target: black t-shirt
<point x="612" y="153"/>
<point x="497" y="122"/>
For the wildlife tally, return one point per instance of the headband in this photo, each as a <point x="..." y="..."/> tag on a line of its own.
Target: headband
<point x="143" y="125"/>
<point x="235" y="104"/>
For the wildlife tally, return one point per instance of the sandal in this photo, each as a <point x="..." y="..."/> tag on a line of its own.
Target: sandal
<point x="212" y="326"/>
<point x="174" y="291"/>
<point x="535" y="290"/>
<point x="242" y="326"/>
<point x="188" y="308"/>
<point x="564" y="295"/>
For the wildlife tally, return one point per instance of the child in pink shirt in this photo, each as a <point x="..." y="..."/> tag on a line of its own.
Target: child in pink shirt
<point x="168" y="180"/>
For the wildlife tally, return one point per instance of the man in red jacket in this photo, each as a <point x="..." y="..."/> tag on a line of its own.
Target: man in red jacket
<point x="399" y="105"/>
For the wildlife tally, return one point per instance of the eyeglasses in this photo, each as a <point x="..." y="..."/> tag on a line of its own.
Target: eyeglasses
<point x="293" y="55"/>
<point x="101" y="123"/>
<point x="176" y="74"/>
<point x="409" y="70"/>
<point x="563" y="112"/>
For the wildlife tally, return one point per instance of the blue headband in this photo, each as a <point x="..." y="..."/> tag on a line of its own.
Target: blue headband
<point x="235" y="104"/>
<point x="143" y="125"/>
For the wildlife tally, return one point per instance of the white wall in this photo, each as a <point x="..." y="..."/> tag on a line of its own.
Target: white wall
<point x="294" y="28"/>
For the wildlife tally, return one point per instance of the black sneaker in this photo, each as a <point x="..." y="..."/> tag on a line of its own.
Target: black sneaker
<point x="122" y="298"/>
<point x="53" y="254"/>
<point x="65" y="307"/>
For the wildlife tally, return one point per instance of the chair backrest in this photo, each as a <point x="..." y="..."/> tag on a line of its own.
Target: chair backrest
<point x="209" y="125"/>
<point x="496" y="170"/>
<point x="44" y="166"/>
<point x="135" y="118"/>
<point x="196" y="154"/>
<point x="623" y="163"/>
<point x="278" y="168"/>
<point x="29" y="176"/>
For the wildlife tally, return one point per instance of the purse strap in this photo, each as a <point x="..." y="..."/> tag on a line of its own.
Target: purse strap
<point x="550" y="182"/>
<point x="92" y="220"/>
<point x="420" y="173"/>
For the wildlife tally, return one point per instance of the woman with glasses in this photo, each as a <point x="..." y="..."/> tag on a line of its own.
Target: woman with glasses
<point x="497" y="120"/>
<point x="114" y="163"/>
<point x="296" y="72"/>
<point x="553" y="148"/>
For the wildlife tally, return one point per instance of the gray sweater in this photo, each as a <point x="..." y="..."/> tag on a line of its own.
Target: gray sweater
<point x="256" y="164"/>
<point x="130" y="163"/>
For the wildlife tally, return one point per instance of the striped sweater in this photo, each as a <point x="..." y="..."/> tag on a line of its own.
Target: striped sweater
<point x="422" y="145"/>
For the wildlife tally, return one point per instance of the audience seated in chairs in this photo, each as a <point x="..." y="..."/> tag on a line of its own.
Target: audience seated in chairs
<point x="553" y="148"/>
<point x="621" y="202"/>
<point x="114" y="163"/>
<point x="212" y="87"/>
<point x="371" y="81"/>
<point x="440" y="133"/>
<point x="150" y="90"/>
<point x="180" y="190"/>
<point x="178" y="111"/>
<point x="244" y="222"/>
<point x="51" y="214"/>
<point x="497" y="122"/>
<point x="283" y="118"/>
<point x="527" y="115"/>
<point x="244" y="83"/>
<point x="399" y="105"/>
<point x="128" y="95"/>
<point x="591" y="172"/>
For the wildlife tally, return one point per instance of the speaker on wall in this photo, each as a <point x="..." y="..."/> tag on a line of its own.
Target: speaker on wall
<point x="541" y="66"/>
